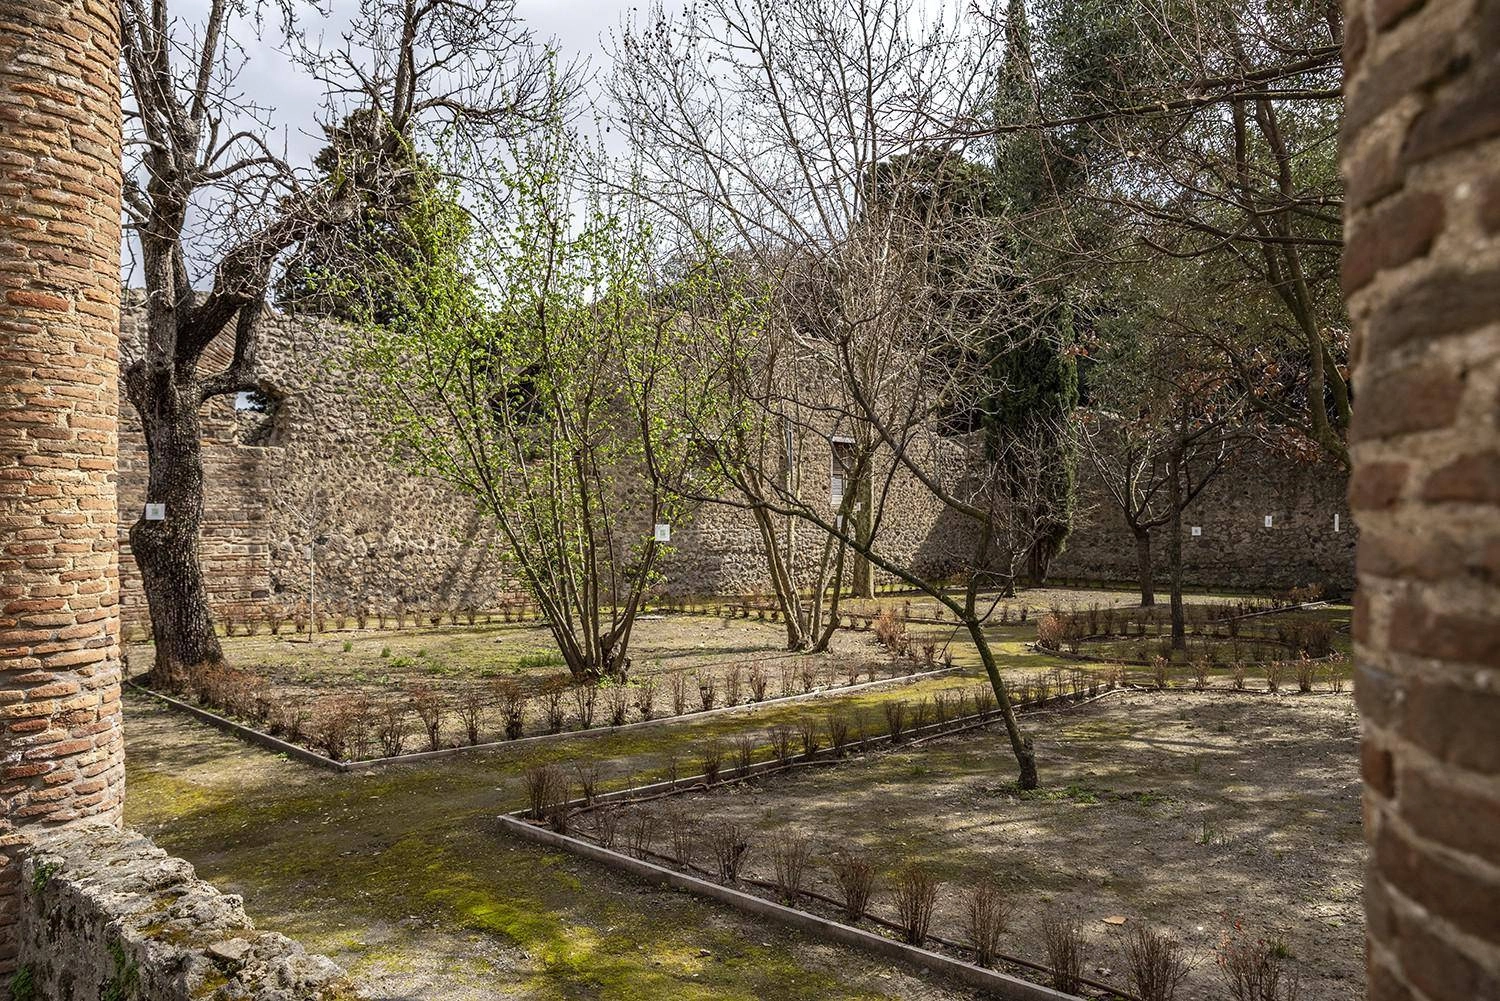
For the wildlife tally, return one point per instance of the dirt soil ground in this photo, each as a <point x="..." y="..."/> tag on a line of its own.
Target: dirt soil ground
<point x="1188" y="813"/>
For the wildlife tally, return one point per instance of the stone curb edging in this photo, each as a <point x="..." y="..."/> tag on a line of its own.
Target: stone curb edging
<point x="993" y="982"/>
<point x="303" y="754"/>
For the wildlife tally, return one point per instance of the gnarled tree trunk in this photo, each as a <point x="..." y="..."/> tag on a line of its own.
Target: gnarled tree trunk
<point x="167" y="550"/>
<point x="1144" y="567"/>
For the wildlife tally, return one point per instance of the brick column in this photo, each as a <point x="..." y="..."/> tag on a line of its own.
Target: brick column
<point x="61" y="748"/>
<point x="1421" y="157"/>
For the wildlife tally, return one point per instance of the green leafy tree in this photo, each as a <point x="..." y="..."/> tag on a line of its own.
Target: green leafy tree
<point x="532" y="362"/>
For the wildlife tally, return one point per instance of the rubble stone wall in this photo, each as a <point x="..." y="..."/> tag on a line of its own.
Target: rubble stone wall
<point x="106" y="914"/>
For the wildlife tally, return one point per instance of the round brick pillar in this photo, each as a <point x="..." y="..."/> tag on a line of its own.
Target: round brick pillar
<point x="61" y="746"/>
<point x="1421" y="158"/>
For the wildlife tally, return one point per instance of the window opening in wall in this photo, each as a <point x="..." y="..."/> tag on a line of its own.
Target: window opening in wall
<point x="841" y="477"/>
<point x="257" y="417"/>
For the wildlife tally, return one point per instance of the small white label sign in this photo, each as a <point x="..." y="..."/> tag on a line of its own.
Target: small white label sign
<point x="1268" y="521"/>
<point x="156" y="512"/>
<point x="1336" y="523"/>
<point x="663" y="533"/>
<point x="1197" y="530"/>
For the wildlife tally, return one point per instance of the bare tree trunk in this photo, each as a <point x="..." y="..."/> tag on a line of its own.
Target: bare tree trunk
<point x="782" y="582"/>
<point x="1020" y="743"/>
<point x="167" y="550"/>
<point x="1174" y="553"/>
<point x="1143" y="566"/>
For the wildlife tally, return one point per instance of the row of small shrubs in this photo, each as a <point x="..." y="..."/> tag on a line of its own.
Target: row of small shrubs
<point x="1068" y="628"/>
<point x="363" y="725"/>
<point x="1157" y="965"/>
<point x="276" y="620"/>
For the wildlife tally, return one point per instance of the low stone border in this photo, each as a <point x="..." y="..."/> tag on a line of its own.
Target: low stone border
<point x="993" y="982"/>
<point x="303" y="754"/>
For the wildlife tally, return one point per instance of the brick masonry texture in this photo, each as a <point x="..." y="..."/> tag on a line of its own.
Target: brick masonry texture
<point x="107" y="914"/>
<point x="61" y="747"/>
<point x="1421" y="155"/>
<point x="315" y="469"/>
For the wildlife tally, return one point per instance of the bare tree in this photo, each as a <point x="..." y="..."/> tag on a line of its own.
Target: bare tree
<point x="214" y="207"/>
<point x="797" y="135"/>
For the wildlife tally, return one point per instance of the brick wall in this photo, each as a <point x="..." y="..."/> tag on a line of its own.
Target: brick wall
<point x="1422" y="274"/>
<point x="61" y="750"/>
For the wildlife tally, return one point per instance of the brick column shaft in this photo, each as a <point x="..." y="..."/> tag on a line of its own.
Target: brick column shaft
<point x="61" y="747"/>
<point x="1421" y="157"/>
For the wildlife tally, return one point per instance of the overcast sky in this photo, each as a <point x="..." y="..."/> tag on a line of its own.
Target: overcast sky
<point x="580" y="28"/>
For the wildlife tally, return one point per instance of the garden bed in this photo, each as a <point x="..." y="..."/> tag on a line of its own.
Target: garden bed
<point x="1214" y="820"/>
<point x="364" y="695"/>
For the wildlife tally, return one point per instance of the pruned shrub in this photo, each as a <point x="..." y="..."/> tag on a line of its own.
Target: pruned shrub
<point x="511" y="698"/>
<point x="585" y="699"/>
<point x="838" y="733"/>
<point x="428" y="705"/>
<point x="541" y="783"/>
<point x="708" y="691"/>
<point x="728" y="844"/>
<point x="895" y="720"/>
<point x="1062" y="937"/>
<point x="606" y="825"/>
<point x="790" y="852"/>
<point x="678" y="685"/>
<point x="1200" y="675"/>
<point x="471" y="707"/>
<point x="1307" y="672"/>
<point x="1254" y="969"/>
<point x="807" y="678"/>
<point x="854" y="872"/>
<point x="744" y="752"/>
<point x="645" y="696"/>
<point x="712" y="759"/>
<point x="588" y="779"/>
<point x="682" y="833"/>
<point x="1160" y="672"/>
<point x="781" y="742"/>
<point x="758" y="683"/>
<point x="984" y="701"/>
<point x="390" y="728"/>
<point x="640" y="834"/>
<point x="1275" y="671"/>
<point x="915" y="896"/>
<point x="616" y="704"/>
<point x="807" y="730"/>
<point x="987" y="916"/>
<point x="1237" y="675"/>
<point x="1158" y="965"/>
<point x="890" y="631"/>
<point x="734" y="684"/>
<point x="553" y="691"/>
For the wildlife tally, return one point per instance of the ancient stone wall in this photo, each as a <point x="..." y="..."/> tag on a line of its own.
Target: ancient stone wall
<point x="1303" y="545"/>
<point x="104" y="913"/>
<point x="1421" y="158"/>
<point x="314" y="473"/>
<point x="61" y="749"/>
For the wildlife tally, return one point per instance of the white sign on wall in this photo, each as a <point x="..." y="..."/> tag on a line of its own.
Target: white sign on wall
<point x="1336" y="523"/>
<point x="1268" y="521"/>
<point x="156" y="512"/>
<point x="663" y="533"/>
<point x="1197" y="530"/>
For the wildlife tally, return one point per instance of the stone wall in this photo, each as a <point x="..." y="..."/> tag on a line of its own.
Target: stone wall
<point x="104" y="913"/>
<point x="314" y="472"/>
<point x="1421" y="158"/>
<point x="1235" y="549"/>
<point x="61" y="750"/>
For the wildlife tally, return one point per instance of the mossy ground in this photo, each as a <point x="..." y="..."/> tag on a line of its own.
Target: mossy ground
<point x="401" y="875"/>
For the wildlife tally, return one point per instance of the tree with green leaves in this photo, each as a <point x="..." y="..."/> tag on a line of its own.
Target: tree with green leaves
<point x="533" y="362"/>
